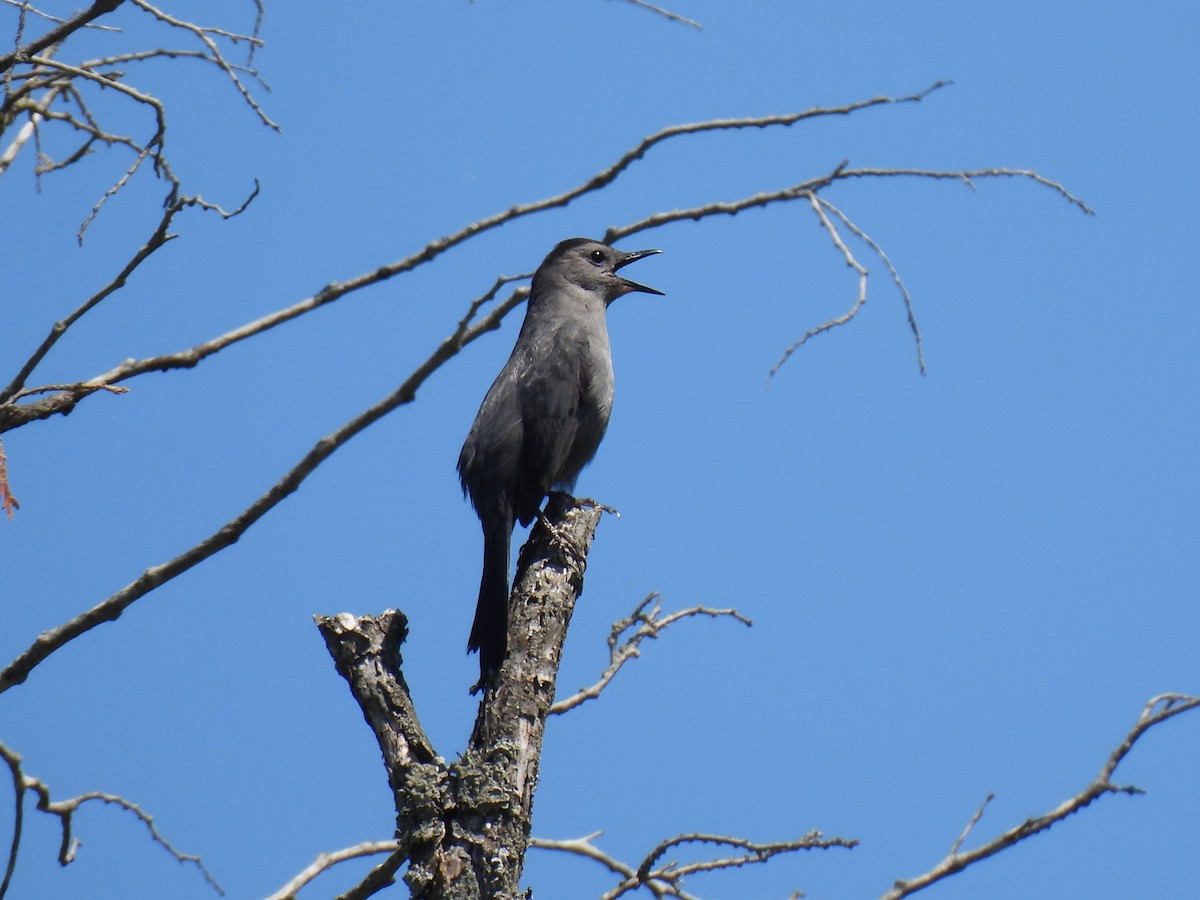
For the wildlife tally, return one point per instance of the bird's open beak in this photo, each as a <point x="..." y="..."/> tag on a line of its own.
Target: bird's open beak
<point x="633" y="285"/>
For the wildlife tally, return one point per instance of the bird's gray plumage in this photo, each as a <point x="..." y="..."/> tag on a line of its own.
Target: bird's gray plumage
<point x="544" y="416"/>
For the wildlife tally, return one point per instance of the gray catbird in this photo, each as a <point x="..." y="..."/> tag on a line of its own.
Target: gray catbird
<point x="543" y="417"/>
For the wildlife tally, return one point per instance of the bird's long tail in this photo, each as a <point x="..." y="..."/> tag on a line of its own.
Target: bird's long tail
<point x="489" y="633"/>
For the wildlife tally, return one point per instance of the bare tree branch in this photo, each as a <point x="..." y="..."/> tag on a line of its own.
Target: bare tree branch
<point x="970" y="176"/>
<point x="326" y="861"/>
<point x="205" y="35"/>
<point x="65" y="811"/>
<point x="896" y="279"/>
<point x="667" y="880"/>
<point x="624" y="642"/>
<point x="32" y="69"/>
<point x="809" y="190"/>
<point x="819" y="205"/>
<point x="12" y="416"/>
<point x="814" y="185"/>
<point x="165" y="53"/>
<point x="382" y="876"/>
<point x="859" y="300"/>
<point x="1158" y="710"/>
<point x="667" y="14"/>
<point x="152" y="149"/>
<point x="18" y="779"/>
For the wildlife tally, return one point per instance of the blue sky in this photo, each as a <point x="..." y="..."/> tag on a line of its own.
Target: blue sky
<point x="961" y="583"/>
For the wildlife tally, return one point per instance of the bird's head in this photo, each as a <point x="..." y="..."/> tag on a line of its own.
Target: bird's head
<point x="593" y="266"/>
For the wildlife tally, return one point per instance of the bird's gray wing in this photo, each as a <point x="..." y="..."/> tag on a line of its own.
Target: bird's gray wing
<point x="491" y="454"/>
<point x="552" y="389"/>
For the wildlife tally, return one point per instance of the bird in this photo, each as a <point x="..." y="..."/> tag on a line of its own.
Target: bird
<point x="543" y="418"/>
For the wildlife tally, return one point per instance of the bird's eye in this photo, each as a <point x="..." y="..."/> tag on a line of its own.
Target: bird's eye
<point x="596" y="256"/>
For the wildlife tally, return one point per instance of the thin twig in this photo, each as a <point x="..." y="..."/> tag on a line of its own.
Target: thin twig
<point x="896" y="279"/>
<point x="666" y="14"/>
<point x="152" y="149"/>
<point x="969" y="176"/>
<point x="859" y="300"/>
<point x="32" y="64"/>
<point x="164" y="53"/>
<point x="958" y="842"/>
<point x="624" y="643"/>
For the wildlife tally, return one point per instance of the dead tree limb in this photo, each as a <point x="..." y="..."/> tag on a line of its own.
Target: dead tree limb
<point x="464" y="826"/>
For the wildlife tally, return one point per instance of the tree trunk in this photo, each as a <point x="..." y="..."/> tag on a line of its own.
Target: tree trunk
<point x="463" y="827"/>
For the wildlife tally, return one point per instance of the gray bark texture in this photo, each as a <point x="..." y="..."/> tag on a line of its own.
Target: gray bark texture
<point x="463" y="826"/>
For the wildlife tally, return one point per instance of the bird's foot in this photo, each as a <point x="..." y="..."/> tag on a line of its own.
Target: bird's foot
<point x="557" y="504"/>
<point x="596" y="504"/>
<point x="560" y="540"/>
